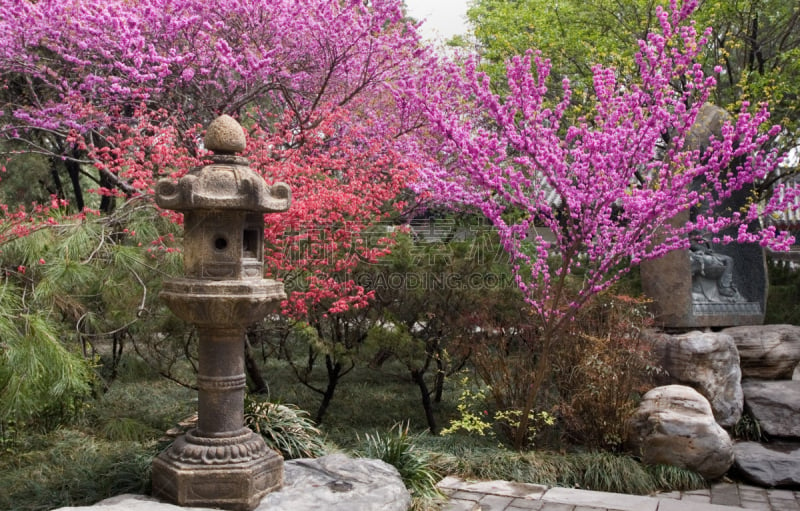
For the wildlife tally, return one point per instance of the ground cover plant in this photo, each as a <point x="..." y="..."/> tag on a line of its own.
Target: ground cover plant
<point x="79" y="465"/>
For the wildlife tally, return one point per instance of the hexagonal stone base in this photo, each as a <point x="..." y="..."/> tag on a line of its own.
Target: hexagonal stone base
<point x="236" y="486"/>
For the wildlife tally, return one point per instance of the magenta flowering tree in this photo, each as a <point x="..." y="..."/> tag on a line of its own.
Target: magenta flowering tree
<point x="106" y="97"/>
<point x="606" y="185"/>
<point x="80" y="67"/>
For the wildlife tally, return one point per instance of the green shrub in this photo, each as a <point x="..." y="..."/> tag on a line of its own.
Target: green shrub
<point x="474" y="417"/>
<point x="285" y="428"/>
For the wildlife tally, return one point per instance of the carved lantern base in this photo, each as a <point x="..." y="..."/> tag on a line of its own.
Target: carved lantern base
<point x="232" y="472"/>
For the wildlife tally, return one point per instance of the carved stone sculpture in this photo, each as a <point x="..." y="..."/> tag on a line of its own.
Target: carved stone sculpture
<point x="712" y="274"/>
<point x="708" y="285"/>
<point x="221" y="463"/>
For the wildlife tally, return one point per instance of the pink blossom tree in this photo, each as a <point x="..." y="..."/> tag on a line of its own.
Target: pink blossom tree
<point x="119" y="91"/>
<point x="79" y="66"/>
<point x="607" y="185"/>
<point x="114" y="96"/>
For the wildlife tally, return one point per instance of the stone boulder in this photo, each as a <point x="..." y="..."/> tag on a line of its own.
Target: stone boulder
<point x="769" y="465"/>
<point x="674" y="425"/>
<point x="768" y="352"/>
<point x="709" y="363"/>
<point x="775" y="405"/>
<point x="333" y="483"/>
<point x="130" y="502"/>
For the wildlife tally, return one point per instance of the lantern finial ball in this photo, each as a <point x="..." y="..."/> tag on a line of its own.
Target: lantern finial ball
<point x="225" y="136"/>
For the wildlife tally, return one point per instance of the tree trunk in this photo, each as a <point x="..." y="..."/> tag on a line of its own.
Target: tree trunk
<point x="74" y="171"/>
<point x="334" y="373"/>
<point x="59" y="187"/>
<point x="107" y="202"/>
<point x="419" y="378"/>
<point x="257" y="383"/>
<point x="117" y="346"/>
<point x="541" y="371"/>
<point x="438" y="382"/>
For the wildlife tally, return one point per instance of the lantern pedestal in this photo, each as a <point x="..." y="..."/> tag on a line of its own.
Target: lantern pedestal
<point x="233" y="472"/>
<point x="220" y="463"/>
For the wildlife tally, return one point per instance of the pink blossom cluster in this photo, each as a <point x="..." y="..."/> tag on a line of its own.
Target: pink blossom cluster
<point x="191" y="56"/>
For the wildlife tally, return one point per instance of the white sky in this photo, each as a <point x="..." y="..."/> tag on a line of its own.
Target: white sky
<point x="443" y="18"/>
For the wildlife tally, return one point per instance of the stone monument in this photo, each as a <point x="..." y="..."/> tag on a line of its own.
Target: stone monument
<point x="708" y="285"/>
<point x="221" y="463"/>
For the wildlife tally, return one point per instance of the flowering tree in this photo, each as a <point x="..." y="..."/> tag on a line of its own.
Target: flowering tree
<point x="606" y="186"/>
<point x="346" y="184"/>
<point x="346" y="180"/>
<point x="113" y="96"/>
<point x="78" y="66"/>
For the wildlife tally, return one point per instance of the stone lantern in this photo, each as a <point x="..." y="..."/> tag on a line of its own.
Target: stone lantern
<point x="221" y="463"/>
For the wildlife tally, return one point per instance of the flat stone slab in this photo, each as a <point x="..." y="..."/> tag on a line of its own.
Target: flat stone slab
<point x="333" y="483"/>
<point x="605" y="500"/>
<point x="505" y="488"/>
<point x="775" y="404"/>
<point x="684" y="505"/>
<point x="130" y="502"/>
<point x="338" y="483"/>
<point x="769" y="465"/>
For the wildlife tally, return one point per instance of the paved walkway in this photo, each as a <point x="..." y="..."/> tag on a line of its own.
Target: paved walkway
<point x="507" y="496"/>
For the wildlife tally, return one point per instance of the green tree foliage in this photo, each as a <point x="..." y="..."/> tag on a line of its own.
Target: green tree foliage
<point x="574" y="34"/>
<point x="437" y="294"/>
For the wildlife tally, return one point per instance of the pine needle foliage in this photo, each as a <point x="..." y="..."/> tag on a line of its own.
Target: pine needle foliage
<point x="37" y="371"/>
<point x="66" y="290"/>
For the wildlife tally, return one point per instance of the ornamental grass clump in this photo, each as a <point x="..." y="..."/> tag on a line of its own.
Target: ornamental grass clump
<point x="414" y="465"/>
<point x="285" y="428"/>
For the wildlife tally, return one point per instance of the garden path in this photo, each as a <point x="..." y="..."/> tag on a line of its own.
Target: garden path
<point x="508" y="496"/>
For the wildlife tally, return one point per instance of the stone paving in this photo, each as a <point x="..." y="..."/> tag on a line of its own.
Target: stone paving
<point x="508" y="496"/>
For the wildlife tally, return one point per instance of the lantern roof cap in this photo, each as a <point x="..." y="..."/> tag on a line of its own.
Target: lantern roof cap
<point x="225" y="136"/>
